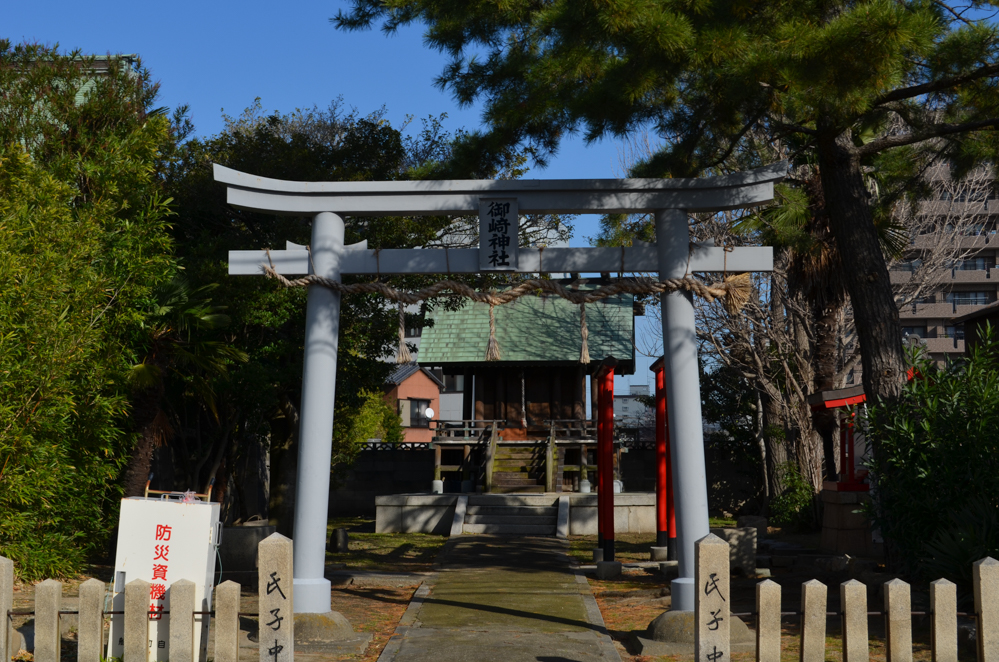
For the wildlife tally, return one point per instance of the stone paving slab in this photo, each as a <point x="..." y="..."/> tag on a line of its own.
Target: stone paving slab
<point x="502" y="599"/>
<point x="471" y="645"/>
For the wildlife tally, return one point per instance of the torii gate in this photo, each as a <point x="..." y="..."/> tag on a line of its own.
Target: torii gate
<point x="673" y="256"/>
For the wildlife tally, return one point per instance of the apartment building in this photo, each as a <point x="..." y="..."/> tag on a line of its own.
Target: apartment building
<point x="949" y="270"/>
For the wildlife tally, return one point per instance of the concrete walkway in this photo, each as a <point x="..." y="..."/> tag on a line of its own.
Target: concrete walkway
<point x="503" y="600"/>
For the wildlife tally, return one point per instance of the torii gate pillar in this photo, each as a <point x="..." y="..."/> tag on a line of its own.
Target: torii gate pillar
<point x="683" y="394"/>
<point x="315" y="447"/>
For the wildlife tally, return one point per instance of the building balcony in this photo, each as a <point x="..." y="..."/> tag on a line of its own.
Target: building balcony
<point x="941" y="311"/>
<point x="950" y="277"/>
<point x="984" y="240"/>
<point x="944" y="345"/>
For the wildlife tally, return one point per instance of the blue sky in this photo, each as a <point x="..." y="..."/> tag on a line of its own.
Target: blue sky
<point x="221" y="56"/>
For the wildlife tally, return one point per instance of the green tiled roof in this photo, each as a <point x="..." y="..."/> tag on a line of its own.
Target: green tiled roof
<point x="532" y="329"/>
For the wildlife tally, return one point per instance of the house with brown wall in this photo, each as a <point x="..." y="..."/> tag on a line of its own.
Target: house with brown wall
<point x="411" y="390"/>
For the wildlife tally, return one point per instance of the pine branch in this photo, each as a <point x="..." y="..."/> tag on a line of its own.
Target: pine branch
<point x="937" y="85"/>
<point x="933" y="131"/>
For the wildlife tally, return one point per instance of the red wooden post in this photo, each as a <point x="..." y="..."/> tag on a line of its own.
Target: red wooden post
<point x="595" y="384"/>
<point x="665" y="513"/>
<point x="605" y="443"/>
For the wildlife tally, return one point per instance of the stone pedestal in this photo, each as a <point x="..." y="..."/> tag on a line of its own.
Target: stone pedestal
<point x="672" y="633"/>
<point x="659" y="554"/>
<point x="608" y="569"/>
<point x="845" y="530"/>
<point x="742" y="549"/>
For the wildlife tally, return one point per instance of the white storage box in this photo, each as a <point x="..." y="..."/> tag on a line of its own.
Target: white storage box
<point x="162" y="541"/>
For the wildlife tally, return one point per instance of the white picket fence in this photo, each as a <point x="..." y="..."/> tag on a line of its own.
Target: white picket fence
<point x="713" y="614"/>
<point x="711" y="625"/>
<point x="274" y="561"/>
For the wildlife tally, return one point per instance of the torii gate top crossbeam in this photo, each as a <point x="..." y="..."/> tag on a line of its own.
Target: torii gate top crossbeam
<point x="535" y="196"/>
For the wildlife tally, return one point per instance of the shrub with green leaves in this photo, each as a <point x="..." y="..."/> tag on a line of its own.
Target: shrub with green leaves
<point x="793" y="506"/>
<point x="83" y="244"/>
<point x="936" y="470"/>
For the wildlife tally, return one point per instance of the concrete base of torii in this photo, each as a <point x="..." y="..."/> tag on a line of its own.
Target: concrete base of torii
<point x="672" y="633"/>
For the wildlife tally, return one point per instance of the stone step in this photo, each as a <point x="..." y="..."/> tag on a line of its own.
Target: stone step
<point x="512" y="510"/>
<point x="514" y="479"/>
<point x="518" y="489"/>
<point x="519" y="452"/>
<point x="515" y="467"/>
<point x="514" y="462"/>
<point x="512" y="529"/>
<point x="548" y="520"/>
<point x="517" y="477"/>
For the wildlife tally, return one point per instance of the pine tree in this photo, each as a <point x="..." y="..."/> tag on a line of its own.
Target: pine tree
<point x="848" y="85"/>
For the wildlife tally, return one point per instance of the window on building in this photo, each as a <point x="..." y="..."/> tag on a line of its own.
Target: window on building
<point x="414" y="413"/>
<point x="914" y="331"/>
<point x="414" y="331"/>
<point x="909" y="265"/>
<point x="975" y="264"/>
<point x="970" y="298"/>
<point x="956" y="332"/>
<point x="454" y="383"/>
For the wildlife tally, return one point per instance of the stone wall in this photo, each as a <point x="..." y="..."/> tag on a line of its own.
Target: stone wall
<point x="377" y="473"/>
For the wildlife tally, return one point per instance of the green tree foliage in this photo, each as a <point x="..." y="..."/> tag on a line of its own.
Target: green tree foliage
<point x="937" y="476"/>
<point x="260" y="398"/>
<point x="374" y="420"/>
<point x="845" y="86"/>
<point x="178" y="352"/>
<point x="83" y="244"/>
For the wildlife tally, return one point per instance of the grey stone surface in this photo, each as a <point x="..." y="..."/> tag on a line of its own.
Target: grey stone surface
<point x="339" y="541"/>
<point x="608" y="569"/>
<point x="136" y="621"/>
<point x="712" y="598"/>
<point x="755" y="521"/>
<point x="673" y="627"/>
<point x="9" y="638"/>
<point x="90" y="624"/>
<point x="238" y="551"/>
<point x="276" y="599"/>
<point x="321" y="628"/>
<point x="658" y="553"/>
<point x="672" y="633"/>
<point x="227" y="622"/>
<point x="898" y="610"/>
<point x="813" y="621"/>
<point x="493" y="645"/>
<point x="669" y="569"/>
<point x="181" y="597"/>
<point x="48" y="603"/>
<point x="634" y="512"/>
<point x="768" y="621"/>
<point x="502" y="599"/>
<point x="853" y="603"/>
<point x="598" y="555"/>
<point x="742" y="542"/>
<point x="986" y="586"/>
<point x="458" y="521"/>
<point x="943" y="620"/>
<point x="562" y="523"/>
